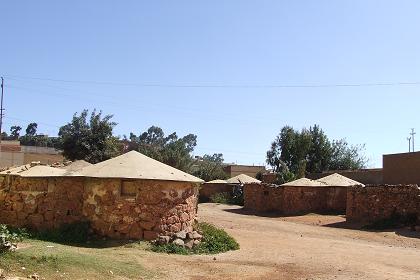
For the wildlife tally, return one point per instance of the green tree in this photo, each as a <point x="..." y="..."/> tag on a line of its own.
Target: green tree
<point x="15" y="131"/>
<point x="89" y="139"/>
<point x="210" y="167"/>
<point x="31" y="129"/>
<point x="297" y="153"/>
<point x="170" y="149"/>
<point x="345" y="156"/>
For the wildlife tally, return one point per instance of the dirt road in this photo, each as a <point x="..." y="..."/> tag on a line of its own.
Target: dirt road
<point x="295" y="248"/>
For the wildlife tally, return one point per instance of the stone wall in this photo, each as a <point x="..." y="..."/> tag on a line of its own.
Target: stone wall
<point x="122" y="209"/>
<point x="290" y="200"/>
<point x="40" y="203"/>
<point x="373" y="203"/>
<point x="150" y="209"/>
<point x="209" y="189"/>
<point x="263" y="197"/>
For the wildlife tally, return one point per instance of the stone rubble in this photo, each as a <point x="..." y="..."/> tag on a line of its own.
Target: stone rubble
<point x="181" y="238"/>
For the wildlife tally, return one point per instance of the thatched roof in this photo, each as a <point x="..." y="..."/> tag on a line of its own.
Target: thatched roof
<point x="242" y="179"/>
<point x="134" y="165"/>
<point x="305" y="182"/>
<point x="16" y="170"/>
<point x="339" y="180"/>
<point x="77" y="165"/>
<point x="218" y="181"/>
<point x="45" y="171"/>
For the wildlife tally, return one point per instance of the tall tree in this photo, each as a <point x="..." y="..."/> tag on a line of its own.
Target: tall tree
<point x="89" y="139"/>
<point x="210" y="167"/>
<point x="170" y="149"/>
<point x="311" y="151"/>
<point x="15" y="131"/>
<point x="31" y="129"/>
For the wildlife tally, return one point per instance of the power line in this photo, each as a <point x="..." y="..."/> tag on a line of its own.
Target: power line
<point x="192" y="85"/>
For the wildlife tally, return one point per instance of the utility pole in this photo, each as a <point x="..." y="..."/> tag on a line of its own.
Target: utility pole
<point x="412" y="137"/>
<point x="1" y="107"/>
<point x="409" y="144"/>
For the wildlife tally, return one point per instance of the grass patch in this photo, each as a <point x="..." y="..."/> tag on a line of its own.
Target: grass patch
<point x="55" y="261"/>
<point x="9" y="237"/>
<point x="214" y="241"/>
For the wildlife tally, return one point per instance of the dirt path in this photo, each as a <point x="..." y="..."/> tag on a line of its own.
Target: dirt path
<point x="294" y="248"/>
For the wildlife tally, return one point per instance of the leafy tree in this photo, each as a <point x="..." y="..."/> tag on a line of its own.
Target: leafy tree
<point x="345" y="156"/>
<point x="15" y="131"/>
<point x="89" y="139"/>
<point x="210" y="168"/>
<point x="296" y="153"/>
<point x="170" y="149"/>
<point x="31" y="129"/>
<point x="319" y="154"/>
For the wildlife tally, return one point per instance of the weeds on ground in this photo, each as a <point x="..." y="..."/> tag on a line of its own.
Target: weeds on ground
<point x="214" y="241"/>
<point x="236" y="197"/>
<point x="10" y="236"/>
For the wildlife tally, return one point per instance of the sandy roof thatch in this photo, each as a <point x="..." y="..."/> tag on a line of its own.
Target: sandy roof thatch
<point x="339" y="180"/>
<point x="218" y="181"/>
<point x="46" y="171"/>
<point x="134" y="165"/>
<point x="77" y="165"/>
<point x="305" y="182"/>
<point x="16" y="170"/>
<point x="242" y="179"/>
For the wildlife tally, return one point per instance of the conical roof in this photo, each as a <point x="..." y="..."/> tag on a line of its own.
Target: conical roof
<point x="218" y="181"/>
<point x="134" y="165"/>
<point x="77" y="165"/>
<point x="242" y="179"/>
<point x="304" y="182"/>
<point x="46" y="171"/>
<point x="16" y="170"/>
<point x="339" y="181"/>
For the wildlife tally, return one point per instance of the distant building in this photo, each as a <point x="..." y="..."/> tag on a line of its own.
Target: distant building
<point x="13" y="154"/>
<point x="233" y="170"/>
<point x="401" y="168"/>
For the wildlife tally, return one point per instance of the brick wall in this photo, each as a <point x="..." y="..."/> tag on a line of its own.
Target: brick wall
<point x="373" y="203"/>
<point x="402" y="168"/>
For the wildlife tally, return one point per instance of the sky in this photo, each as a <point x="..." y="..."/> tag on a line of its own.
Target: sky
<point x="232" y="72"/>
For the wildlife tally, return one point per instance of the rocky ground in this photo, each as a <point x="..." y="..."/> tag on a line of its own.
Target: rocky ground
<point x="300" y="247"/>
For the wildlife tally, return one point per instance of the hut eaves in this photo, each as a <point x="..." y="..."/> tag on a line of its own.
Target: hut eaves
<point x="305" y="182"/>
<point x="218" y="181"/>
<point x="242" y="179"/>
<point x="339" y="181"/>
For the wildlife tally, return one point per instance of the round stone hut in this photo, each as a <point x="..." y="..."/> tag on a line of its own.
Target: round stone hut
<point x="135" y="197"/>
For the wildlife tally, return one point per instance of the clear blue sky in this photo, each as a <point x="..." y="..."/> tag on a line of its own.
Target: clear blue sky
<point x="232" y="43"/>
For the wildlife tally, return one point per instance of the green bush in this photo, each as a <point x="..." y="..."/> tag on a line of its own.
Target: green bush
<point x="9" y="237"/>
<point x="235" y="198"/>
<point x="75" y="233"/>
<point x="214" y="241"/>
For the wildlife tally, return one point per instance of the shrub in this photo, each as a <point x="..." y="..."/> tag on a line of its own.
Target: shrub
<point x="75" y="233"/>
<point x="214" y="241"/>
<point x="236" y="197"/>
<point x="9" y="238"/>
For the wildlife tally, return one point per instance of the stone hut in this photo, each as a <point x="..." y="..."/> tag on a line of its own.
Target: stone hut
<point x="337" y="191"/>
<point x="40" y="197"/>
<point x="136" y="197"/>
<point x="128" y="197"/>
<point x="263" y="197"/>
<point x="211" y="188"/>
